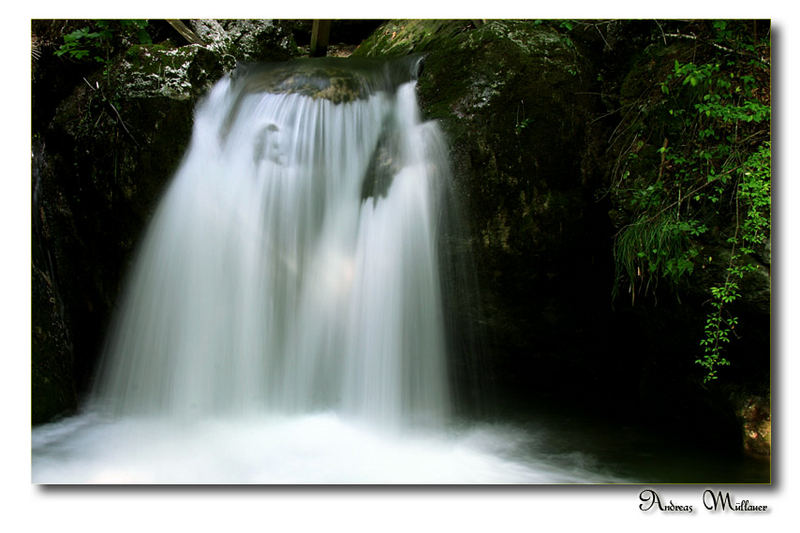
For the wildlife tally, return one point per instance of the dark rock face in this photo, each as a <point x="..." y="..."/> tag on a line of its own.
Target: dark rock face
<point x="106" y="142"/>
<point x="511" y="97"/>
<point x="108" y="155"/>
<point x="51" y="355"/>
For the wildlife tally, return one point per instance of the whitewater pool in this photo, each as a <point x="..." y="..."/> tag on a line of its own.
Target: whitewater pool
<point x="319" y="448"/>
<point x="326" y="448"/>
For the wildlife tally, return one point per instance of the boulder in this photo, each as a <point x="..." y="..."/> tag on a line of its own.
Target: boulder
<point x="246" y="41"/>
<point x="756" y="422"/>
<point x="512" y="98"/>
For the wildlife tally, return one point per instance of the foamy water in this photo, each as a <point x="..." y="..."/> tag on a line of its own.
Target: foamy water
<point x="321" y="448"/>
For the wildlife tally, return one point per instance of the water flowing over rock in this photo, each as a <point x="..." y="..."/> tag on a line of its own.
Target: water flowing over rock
<point x="265" y="281"/>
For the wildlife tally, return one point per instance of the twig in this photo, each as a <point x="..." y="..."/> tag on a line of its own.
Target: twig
<point x="715" y="45"/>
<point x="612" y="112"/>
<point x="122" y="123"/>
<point x="114" y="109"/>
<point x="601" y="36"/>
<point x="663" y="160"/>
<point x="759" y="132"/>
<point x="662" y="32"/>
<point x="611" y="140"/>
<point x="694" y="37"/>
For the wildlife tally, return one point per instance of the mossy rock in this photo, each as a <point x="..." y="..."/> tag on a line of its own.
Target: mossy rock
<point x="312" y="78"/>
<point x="512" y="98"/>
<point x="157" y="70"/>
<point x="508" y="95"/>
<point x="336" y="79"/>
<point x="247" y="41"/>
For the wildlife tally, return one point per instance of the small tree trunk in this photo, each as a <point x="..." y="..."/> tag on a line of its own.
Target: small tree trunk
<point x="320" y="33"/>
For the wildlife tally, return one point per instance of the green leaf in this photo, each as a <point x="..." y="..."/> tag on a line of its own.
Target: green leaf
<point x="144" y="37"/>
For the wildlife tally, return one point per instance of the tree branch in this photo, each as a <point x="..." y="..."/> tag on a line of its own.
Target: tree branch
<point x="185" y="31"/>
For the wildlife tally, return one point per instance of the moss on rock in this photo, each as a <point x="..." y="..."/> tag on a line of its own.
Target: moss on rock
<point x="248" y="41"/>
<point x="509" y="94"/>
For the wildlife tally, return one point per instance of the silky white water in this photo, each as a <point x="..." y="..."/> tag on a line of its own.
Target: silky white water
<point x="283" y="322"/>
<point x="318" y="448"/>
<point x="266" y="282"/>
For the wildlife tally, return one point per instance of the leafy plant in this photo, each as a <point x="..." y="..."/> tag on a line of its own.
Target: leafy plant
<point x="754" y="197"/>
<point x="521" y="125"/>
<point x="652" y="249"/>
<point x="709" y="180"/>
<point x="95" y="42"/>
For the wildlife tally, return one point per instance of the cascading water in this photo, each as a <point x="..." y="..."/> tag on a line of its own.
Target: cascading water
<point x="285" y="318"/>
<point x="266" y="280"/>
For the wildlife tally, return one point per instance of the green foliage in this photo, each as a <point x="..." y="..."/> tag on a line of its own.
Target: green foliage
<point x="754" y="197"/>
<point x="521" y="125"/>
<point x="695" y="171"/>
<point x="755" y="193"/>
<point x="95" y="43"/>
<point x="652" y="249"/>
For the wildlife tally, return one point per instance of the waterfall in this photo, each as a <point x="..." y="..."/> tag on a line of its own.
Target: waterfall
<point x="271" y="278"/>
<point x="288" y="317"/>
